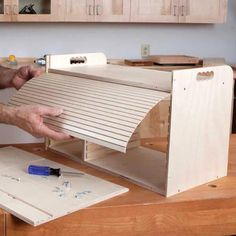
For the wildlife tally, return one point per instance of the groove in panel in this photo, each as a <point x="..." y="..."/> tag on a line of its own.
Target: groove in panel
<point x="141" y="94"/>
<point x="78" y="107"/>
<point x="102" y="107"/>
<point x="102" y="102"/>
<point x="67" y="110"/>
<point x="84" y="89"/>
<point x="94" y="125"/>
<point x="119" y="147"/>
<point x="100" y="112"/>
<point x="87" y="133"/>
<point x="89" y="95"/>
<point x="72" y="108"/>
<point x="121" y="136"/>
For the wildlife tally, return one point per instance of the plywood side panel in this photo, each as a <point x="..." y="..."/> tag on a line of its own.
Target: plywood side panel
<point x="96" y="111"/>
<point x="200" y="127"/>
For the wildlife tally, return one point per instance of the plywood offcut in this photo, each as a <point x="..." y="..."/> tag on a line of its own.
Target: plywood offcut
<point x="39" y="199"/>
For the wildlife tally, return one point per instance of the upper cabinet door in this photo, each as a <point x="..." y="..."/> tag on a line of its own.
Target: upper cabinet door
<point x="38" y="10"/>
<point x="154" y="11"/>
<point x="5" y="10"/>
<point x="112" y="10"/>
<point x="80" y="10"/>
<point x="202" y="11"/>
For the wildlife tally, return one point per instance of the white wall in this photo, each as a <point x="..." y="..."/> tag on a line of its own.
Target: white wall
<point x="117" y="41"/>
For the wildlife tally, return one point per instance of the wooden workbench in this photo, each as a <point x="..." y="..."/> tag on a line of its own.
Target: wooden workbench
<point x="206" y="210"/>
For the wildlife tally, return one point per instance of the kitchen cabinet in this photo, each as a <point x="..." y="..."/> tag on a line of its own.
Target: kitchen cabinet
<point x="79" y="10"/>
<point x="5" y="10"/>
<point x="201" y="11"/>
<point x="154" y="11"/>
<point x="98" y="10"/>
<point x="140" y="11"/>
<point x="32" y="10"/>
<point x="179" y="11"/>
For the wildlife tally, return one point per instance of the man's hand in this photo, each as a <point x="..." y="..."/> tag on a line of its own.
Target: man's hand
<point x="30" y="119"/>
<point x="17" y="78"/>
<point x="24" y="74"/>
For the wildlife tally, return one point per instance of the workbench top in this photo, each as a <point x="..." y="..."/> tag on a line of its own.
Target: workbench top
<point x="206" y="210"/>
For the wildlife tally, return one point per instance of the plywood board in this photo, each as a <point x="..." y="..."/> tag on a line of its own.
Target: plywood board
<point x="173" y="59"/>
<point x="96" y="111"/>
<point x="64" y="60"/>
<point x="200" y="127"/>
<point x="138" y="77"/>
<point x="38" y="199"/>
<point x="138" y="62"/>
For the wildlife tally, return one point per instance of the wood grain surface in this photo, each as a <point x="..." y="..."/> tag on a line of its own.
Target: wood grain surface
<point x="206" y="210"/>
<point x="2" y="223"/>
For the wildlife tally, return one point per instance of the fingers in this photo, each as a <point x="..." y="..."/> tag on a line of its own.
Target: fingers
<point x="18" y="82"/>
<point x="35" y="72"/>
<point x="48" y="111"/>
<point x="30" y="118"/>
<point x="47" y="132"/>
<point x="24" y="74"/>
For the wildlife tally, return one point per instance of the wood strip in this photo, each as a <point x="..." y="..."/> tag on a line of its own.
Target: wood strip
<point x="84" y="89"/>
<point x="62" y="96"/>
<point x="89" y="94"/>
<point x="83" y="102"/>
<point x="125" y="124"/>
<point x="84" y="107"/>
<point x="120" y="142"/>
<point x="119" y="147"/>
<point x="78" y="108"/>
<point x="117" y="134"/>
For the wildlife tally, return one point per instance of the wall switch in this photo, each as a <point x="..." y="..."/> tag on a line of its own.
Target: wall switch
<point x="145" y="50"/>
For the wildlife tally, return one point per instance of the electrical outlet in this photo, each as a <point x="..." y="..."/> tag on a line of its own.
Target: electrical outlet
<point x="145" y="50"/>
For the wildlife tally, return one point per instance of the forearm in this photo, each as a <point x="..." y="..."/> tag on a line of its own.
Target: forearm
<point x="6" y="76"/>
<point x="7" y="114"/>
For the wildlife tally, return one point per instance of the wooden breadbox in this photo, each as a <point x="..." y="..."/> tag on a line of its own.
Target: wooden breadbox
<point x="110" y="109"/>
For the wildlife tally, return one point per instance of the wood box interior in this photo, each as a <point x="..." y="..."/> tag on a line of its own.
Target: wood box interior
<point x="145" y="161"/>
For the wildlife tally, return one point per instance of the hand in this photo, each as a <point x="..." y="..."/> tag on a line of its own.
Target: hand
<point x="30" y="119"/>
<point x="17" y="78"/>
<point x="24" y="74"/>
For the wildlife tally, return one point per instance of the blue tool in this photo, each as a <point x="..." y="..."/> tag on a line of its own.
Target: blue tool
<point x="46" y="171"/>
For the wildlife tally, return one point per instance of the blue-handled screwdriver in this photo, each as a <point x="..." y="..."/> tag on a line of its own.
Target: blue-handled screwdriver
<point x="46" y="171"/>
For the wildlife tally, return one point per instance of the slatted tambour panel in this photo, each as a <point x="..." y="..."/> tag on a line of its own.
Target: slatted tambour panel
<point x="103" y="113"/>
